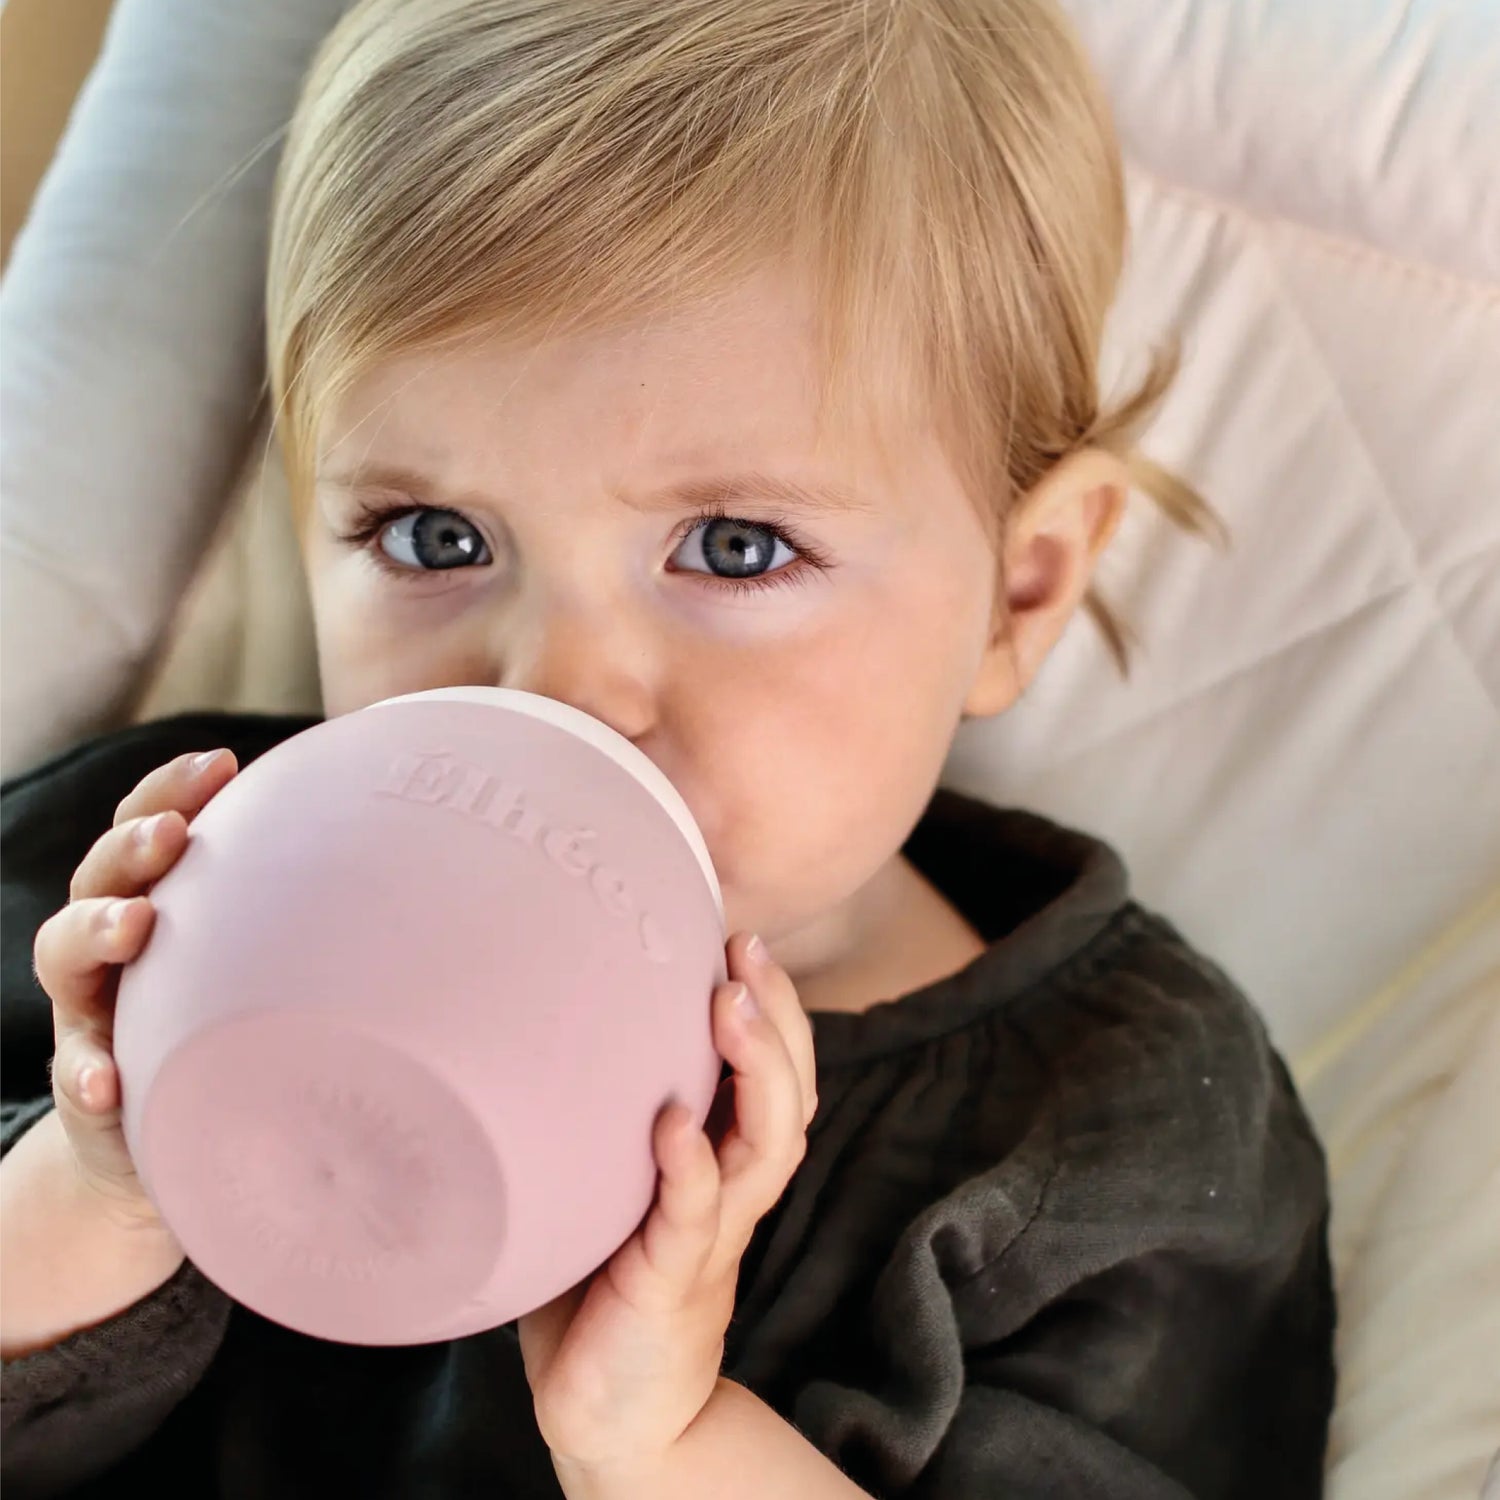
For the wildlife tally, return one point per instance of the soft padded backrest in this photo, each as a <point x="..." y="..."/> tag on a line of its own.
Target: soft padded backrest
<point x="132" y="365"/>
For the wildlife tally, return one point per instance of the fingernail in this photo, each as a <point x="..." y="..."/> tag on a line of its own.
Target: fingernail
<point x="86" y="1079"/>
<point x="114" y="914"/>
<point x="755" y="950"/>
<point x="147" y="828"/>
<point x="201" y="763"/>
<point x="743" y="1000"/>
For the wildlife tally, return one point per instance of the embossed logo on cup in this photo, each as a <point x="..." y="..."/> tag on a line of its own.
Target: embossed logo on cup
<point x="439" y="778"/>
<point x="344" y="1196"/>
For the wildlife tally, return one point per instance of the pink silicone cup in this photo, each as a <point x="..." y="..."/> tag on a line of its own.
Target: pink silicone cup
<point x="416" y="992"/>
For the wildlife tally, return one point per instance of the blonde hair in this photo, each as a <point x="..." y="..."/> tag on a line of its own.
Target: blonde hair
<point x="946" y="168"/>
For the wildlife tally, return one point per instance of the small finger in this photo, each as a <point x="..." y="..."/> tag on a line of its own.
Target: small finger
<point x="682" y="1228"/>
<point x="78" y="948"/>
<point x="768" y="1139"/>
<point x="688" y="1189"/>
<point x="96" y="1082"/>
<point x="129" y="858"/>
<point x="85" y="1083"/>
<point x="183" y="785"/>
<point x="86" y="1091"/>
<point x="751" y="962"/>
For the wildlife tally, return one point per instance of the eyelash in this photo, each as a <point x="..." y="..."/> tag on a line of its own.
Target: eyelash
<point x="372" y="519"/>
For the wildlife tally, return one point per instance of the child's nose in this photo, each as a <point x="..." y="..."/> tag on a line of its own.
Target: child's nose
<point x="591" y="659"/>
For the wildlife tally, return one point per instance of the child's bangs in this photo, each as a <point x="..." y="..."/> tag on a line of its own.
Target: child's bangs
<point x="525" y="194"/>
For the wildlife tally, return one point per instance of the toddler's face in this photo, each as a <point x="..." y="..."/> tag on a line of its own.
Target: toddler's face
<point x="799" y="679"/>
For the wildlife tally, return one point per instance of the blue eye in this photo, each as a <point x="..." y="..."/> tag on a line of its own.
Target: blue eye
<point x="735" y="550"/>
<point x="433" y="541"/>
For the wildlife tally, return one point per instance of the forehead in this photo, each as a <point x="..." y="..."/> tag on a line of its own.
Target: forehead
<point x="737" y="378"/>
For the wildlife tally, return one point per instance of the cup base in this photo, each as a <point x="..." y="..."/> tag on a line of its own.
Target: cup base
<point x="324" y="1178"/>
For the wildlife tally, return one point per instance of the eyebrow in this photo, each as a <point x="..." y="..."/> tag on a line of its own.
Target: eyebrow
<point x="823" y="497"/>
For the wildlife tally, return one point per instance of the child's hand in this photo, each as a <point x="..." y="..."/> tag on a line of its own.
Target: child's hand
<point x="621" y="1365"/>
<point x="78" y="953"/>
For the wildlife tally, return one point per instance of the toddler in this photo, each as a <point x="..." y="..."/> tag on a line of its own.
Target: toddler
<point x="728" y="370"/>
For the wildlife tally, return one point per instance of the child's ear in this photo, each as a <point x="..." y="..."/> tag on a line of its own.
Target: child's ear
<point x="1053" y="540"/>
